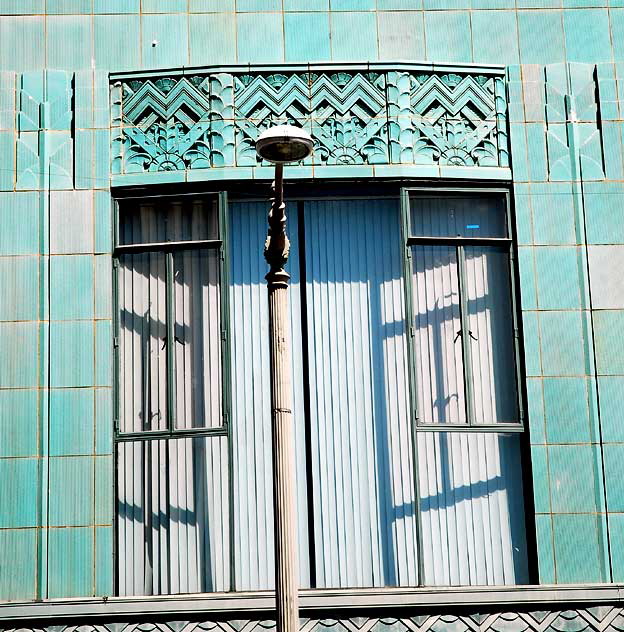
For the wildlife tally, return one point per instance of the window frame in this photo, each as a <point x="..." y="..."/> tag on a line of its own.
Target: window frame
<point x="408" y="241"/>
<point x="168" y="249"/>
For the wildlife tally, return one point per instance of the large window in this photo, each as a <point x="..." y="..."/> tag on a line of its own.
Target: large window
<point x="406" y="401"/>
<point x="171" y="430"/>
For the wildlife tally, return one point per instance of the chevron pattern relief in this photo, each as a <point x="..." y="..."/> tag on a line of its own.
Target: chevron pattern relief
<point x="355" y="117"/>
<point x="599" y="619"/>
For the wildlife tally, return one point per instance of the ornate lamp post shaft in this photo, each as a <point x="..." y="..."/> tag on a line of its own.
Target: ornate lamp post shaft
<point x="280" y="145"/>
<point x="286" y="563"/>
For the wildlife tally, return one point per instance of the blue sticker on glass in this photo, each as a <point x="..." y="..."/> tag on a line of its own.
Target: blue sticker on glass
<point x="472" y="226"/>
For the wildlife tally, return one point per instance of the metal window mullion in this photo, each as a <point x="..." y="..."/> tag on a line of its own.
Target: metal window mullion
<point x="411" y="364"/>
<point x="465" y="334"/>
<point x="170" y="324"/>
<point x="516" y="335"/>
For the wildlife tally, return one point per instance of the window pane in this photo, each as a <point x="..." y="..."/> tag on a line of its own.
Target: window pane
<point x="197" y="333"/>
<point x="451" y="216"/>
<point x="437" y="339"/>
<point x="472" y="509"/>
<point x="142" y="343"/>
<point x="490" y="321"/>
<point x="182" y="219"/>
<point x="173" y="516"/>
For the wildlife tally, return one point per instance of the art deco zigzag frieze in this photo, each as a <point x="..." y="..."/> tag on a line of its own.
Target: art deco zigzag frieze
<point x="606" y="618"/>
<point x="355" y="117"/>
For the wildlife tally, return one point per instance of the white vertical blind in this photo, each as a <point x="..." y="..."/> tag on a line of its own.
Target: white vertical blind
<point x="438" y="356"/>
<point x="197" y="338"/>
<point x="490" y="325"/>
<point x="142" y="342"/>
<point x="362" y="461"/>
<point x="471" y="509"/>
<point x="251" y="405"/>
<point x="173" y="516"/>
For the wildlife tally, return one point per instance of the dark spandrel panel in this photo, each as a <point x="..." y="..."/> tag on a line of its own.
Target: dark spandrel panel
<point x="142" y="342"/>
<point x="197" y="339"/>
<point x="454" y="216"/>
<point x="160" y="220"/>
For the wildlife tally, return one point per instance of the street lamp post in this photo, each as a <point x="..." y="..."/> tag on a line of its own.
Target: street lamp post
<point x="280" y="145"/>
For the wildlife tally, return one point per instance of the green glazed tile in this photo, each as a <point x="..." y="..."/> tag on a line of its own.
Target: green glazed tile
<point x="541" y="37"/>
<point x="18" y="354"/>
<point x="445" y="33"/>
<point x="117" y="42"/>
<point x="563" y="345"/>
<point x="18" y="552"/>
<point x="116" y="6"/>
<point x="71" y="287"/>
<point x="72" y="346"/>
<point x="19" y="288"/>
<point x="401" y="35"/>
<point x="71" y="421"/>
<point x="71" y="559"/>
<point x="503" y="46"/>
<point x="569" y="464"/>
<point x="546" y="553"/>
<point x="254" y="30"/>
<point x="535" y="410"/>
<point x="103" y="421"/>
<point x="614" y="471"/>
<point x="616" y="536"/>
<point x="18" y="480"/>
<point x="103" y="286"/>
<point x="212" y="38"/>
<point x="579" y="548"/>
<point x="609" y="341"/>
<point x="71" y="224"/>
<point x="164" y="40"/>
<point x="104" y="497"/>
<point x="539" y="463"/>
<point x="532" y="355"/>
<point x="587" y="35"/>
<point x="104" y="561"/>
<point x="567" y="410"/>
<point x="558" y="283"/>
<point x="19" y="218"/>
<point x="307" y="36"/>
<point x="18" y="422"/>
<point x="354" y="36"/>
<point x="61" y="29"/>
<point x="17" y="35"/>
<point x="611" y="391"/>
<point x="104" y="352"/>
<point x="71" y="478"/>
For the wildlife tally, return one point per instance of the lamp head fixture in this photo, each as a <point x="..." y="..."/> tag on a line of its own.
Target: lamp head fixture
<point x="284" y="143"/>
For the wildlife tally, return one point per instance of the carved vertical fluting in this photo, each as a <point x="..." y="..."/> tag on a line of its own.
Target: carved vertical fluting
<point x="400" y="125"/>
<point x="222" y="124"/>
<point x="284" y="507"/>
<point x="116" y="128"/>
<point x="500" y="104"/>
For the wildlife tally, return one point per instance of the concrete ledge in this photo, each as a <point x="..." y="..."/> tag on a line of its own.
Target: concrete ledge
<point x="261" y="604"/>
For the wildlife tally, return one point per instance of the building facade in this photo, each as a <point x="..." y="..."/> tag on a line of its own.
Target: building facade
<point x="455" y="260"/>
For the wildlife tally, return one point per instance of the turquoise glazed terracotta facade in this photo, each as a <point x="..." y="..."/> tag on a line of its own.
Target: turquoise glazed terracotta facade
<point x="100" y="95"/>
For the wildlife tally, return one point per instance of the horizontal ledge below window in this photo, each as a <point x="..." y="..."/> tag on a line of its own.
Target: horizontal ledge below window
<point x="498" y="428"/>
<point x="262" y="604"/>
<point x="177" y="434"/>
<point x="168" y="245"/>
<point x="439" y="241"/>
